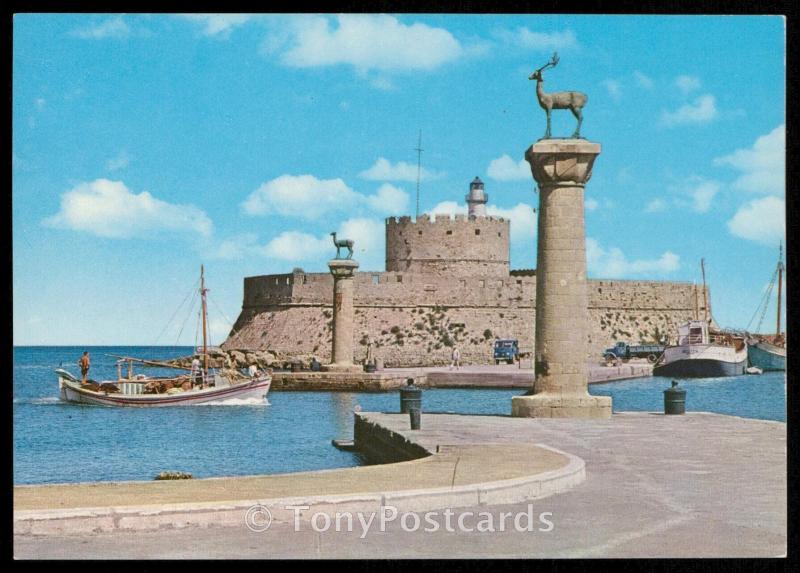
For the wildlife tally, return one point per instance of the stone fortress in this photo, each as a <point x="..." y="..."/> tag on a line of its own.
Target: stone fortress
<point x="447" y="283"/>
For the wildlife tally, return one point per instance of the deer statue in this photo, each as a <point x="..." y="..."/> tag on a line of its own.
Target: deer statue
<point x="339" y="243"/>
<point x="573" y="101"/>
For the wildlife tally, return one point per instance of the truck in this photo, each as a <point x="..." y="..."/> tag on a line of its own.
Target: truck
<point x="506" y="349"/>
<point x="622" y="351"/>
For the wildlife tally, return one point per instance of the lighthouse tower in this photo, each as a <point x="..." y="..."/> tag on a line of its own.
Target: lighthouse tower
<point x="477" y="198"/>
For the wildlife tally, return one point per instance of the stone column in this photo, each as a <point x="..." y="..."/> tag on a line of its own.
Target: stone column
<point x="343" y="271"/>
<point x="561" y="167"/>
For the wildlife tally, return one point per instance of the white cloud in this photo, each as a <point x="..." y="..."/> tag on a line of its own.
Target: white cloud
<point x="111" y="28"/>
<point x="591" y="204"/>
<point x="525" y="38"/>
<point x="522" y="216"/>
<point x="506" y="169"/>
<point x="643" y="80"/>
<point x="614" y="89"/>
<point x="655" y="206"/>
<point x="367" y="42"/>
<point x="687" y="83"/>
<point x="698" y="191"/>
<point x="762" y="165"/>
<point x="233" y="248"/>
<point x="40" y="103"/>
<point x="218" y="24"/>
<point x="302" y="196"/>
<point x="761" y="220"/>
<point x="297" y="246"/>
<point x="121" y="161"/>
<point x="368" y="236"/>
<point x="612" y="263"/>
<point x="702" y="110"/>
<point x="384" y="170"/>
<point x="108" y="209"/>
<point x="389" y="200"/>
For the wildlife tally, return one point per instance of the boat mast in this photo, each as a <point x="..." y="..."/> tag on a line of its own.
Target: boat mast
<point x="780" y="284"/>
<point x="705" y="296"/>
<point x="205" y="310"/>
<point x="696" y="304"/>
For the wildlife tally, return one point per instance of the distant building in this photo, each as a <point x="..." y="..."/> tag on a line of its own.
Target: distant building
<point x="447" y="281"/>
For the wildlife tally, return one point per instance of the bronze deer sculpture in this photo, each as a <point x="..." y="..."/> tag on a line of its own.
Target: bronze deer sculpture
<point x="573" y="101"/>
<point x="339" y="243"/>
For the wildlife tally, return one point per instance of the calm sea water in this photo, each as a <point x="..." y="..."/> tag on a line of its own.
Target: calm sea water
<point x="59" y="442"/>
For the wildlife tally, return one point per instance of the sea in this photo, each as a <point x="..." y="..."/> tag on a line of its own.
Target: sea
<point x="56" y="442"/>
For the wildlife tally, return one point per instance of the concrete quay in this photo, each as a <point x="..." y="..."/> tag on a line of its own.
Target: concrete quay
<point x="503" y="376"/>
<point x="698" y="485"/>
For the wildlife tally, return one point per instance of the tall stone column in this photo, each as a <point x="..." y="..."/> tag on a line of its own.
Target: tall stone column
<point x="343" y="271"/>
<point x="561" y="167"/>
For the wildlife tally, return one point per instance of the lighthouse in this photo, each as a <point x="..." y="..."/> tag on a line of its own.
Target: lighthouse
<point x="477" y="198"/>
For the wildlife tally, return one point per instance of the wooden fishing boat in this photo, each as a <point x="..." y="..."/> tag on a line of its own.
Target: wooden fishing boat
<point x="131" y="392"/>
<point x="703" y="351"/>
<point x="199" y="386"/>
<point x="769" y="352"/>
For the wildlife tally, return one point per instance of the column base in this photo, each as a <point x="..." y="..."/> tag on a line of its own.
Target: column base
<point x="561" y="406"/>
<point x="340" y="367"/>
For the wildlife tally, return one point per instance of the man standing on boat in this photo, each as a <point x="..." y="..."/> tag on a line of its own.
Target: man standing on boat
<point x="84" y="363"/>
<point x="196" y="375"/>
<point x="252" y="370"/>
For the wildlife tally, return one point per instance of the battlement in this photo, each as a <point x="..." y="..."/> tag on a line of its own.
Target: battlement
<point x="457" y="245"/>
<point x="439" y="219"/>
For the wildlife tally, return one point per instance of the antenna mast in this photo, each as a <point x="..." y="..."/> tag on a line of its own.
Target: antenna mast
<point x="419" y="151"/>
<point x="705" y="295"/>
<point x="780" y="284"/>
<point x="203" y="291"/>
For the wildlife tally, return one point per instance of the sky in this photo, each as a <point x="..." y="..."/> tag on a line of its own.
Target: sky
<point x="147" y="145"/>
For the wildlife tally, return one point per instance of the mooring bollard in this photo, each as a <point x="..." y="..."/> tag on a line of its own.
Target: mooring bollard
<point x="410" y="397"/>
<point x="415" y="417"/>
<point x="674" y="400"/>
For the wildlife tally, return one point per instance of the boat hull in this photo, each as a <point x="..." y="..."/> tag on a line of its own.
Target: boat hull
<point x="767" y="356"/>
<point x="258" y="388"/>
<point x="702" y="361"/>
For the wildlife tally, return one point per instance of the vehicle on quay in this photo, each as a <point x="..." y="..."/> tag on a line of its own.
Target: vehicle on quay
<point x="622" y="352"/>
<point x="506" y="349"/>
<point x="200" y="385"/>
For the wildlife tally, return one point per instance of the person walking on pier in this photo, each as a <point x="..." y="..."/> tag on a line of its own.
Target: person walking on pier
<point x="456" y="359"/>
<point x="84" y="363"/>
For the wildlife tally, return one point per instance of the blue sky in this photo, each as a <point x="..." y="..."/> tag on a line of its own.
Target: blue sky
<point x="145" y="145"/>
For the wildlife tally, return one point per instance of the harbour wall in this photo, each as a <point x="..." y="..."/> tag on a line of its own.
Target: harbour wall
<point x="415" y="319"/>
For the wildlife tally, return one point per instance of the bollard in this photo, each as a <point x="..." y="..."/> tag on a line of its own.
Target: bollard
<point x="674" y="400"/>
<point x="415" y="416"/>
<point x="410" y="397"/>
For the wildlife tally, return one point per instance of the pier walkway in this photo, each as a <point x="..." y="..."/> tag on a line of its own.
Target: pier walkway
<point x="698" y="485"/>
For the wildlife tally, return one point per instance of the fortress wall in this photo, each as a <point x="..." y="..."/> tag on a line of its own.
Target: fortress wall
<point x="457" y="245"/>
<point x="402" y="336"/>
<point x="415" y="320"/>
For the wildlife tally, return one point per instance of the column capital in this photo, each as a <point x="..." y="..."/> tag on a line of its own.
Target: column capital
<point x="342" y="268"/>
<point x="562" y="162"/>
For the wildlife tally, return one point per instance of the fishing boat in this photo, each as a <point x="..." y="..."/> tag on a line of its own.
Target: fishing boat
<point x="703" y="351"/>
<point x="198" y="386"/>
<point x="769" y="352"/>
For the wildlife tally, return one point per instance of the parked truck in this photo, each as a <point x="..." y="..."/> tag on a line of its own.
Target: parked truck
<point x="506" y="349"/>
<point x="622" y="352"/>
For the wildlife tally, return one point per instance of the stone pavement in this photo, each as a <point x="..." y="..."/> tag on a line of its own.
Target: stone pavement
<point x="699" y="485"/>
